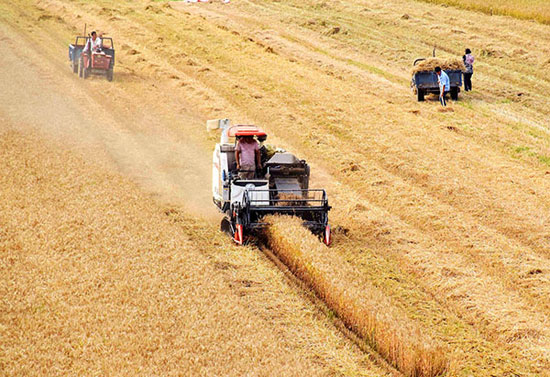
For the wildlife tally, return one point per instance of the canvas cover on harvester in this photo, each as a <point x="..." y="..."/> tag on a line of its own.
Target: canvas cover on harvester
<point x="283" y="159"/>
<point x="288" y="184"/>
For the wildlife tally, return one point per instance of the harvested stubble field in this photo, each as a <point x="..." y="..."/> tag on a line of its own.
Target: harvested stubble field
<point x="440" y="217"/>
<point x="97" y="279"/>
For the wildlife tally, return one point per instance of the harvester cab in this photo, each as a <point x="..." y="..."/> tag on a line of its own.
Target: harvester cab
<point x="281" y="187"/>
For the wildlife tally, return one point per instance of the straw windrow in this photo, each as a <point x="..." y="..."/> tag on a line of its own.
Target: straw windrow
<point x="358" y="304"/>
<point x="429" y="65"/>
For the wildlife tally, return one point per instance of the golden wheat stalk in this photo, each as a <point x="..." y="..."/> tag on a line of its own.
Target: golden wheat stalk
<point x="394" y="336"/>
<point x="445" y="64"/>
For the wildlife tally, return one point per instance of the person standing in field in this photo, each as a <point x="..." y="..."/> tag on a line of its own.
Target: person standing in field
<point x="247" y="155"/>
<point x="444" y="85"/>
<point x="468" y="59"/>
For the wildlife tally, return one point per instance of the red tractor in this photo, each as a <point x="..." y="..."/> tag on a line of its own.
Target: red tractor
<point x="98" y="62"/>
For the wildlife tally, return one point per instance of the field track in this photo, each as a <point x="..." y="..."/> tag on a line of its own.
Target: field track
<point x="443" y="214"/>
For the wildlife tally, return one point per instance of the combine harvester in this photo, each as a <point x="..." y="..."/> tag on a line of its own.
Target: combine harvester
<point x="281" y="188"/>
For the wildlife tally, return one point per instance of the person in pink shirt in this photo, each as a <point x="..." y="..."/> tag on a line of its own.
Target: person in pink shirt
<point x="247" y="155"/>
<point x="469" y="63"/>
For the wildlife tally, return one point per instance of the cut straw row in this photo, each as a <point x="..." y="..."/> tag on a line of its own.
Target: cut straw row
<point x="429" y="65"/>
<point x="356" y="302"/>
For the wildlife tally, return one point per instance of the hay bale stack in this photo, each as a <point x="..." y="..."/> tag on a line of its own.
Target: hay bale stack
<point x="429" y="65"/>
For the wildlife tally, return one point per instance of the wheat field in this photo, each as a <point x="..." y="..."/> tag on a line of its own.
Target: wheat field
<point x="440" y="218"/>
<point x="538" y="10"/>
<point x="98" y="280"/>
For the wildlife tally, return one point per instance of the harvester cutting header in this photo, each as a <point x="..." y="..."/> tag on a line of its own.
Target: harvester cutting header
<point x="251" y="180"/>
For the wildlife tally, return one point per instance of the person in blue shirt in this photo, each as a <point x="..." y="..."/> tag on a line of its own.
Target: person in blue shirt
<point x="444" y="85"/>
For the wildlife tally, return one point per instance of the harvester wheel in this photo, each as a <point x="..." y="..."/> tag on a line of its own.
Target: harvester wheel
<point x="110" y="75"/>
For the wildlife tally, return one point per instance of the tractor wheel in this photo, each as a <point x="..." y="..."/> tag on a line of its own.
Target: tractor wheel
<point x="80" y="68"/>
<point x="109" y="75"/>
<point x="454" y="93"/>
<point x="74" y="65"/>
<point x="86" y="73"/>
<point x="420" y="94"/>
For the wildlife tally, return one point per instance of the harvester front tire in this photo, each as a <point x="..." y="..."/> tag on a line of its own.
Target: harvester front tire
<point x="420" y="95"/>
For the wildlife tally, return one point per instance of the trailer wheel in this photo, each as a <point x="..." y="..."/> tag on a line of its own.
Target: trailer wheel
<point x="454" y="93"/>
<point x="420" y="94"/>
<point x="109" y="75"/>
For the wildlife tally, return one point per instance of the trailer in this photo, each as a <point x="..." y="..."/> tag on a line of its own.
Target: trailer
<point x="425" y="82"/>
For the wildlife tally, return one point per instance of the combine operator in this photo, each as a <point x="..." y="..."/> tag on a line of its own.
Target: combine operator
<point x="247" y="155"/>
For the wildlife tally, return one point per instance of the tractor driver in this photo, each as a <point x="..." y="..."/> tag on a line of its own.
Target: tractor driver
<point x="247" y="155"/>
<point x="93" y="44"/>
